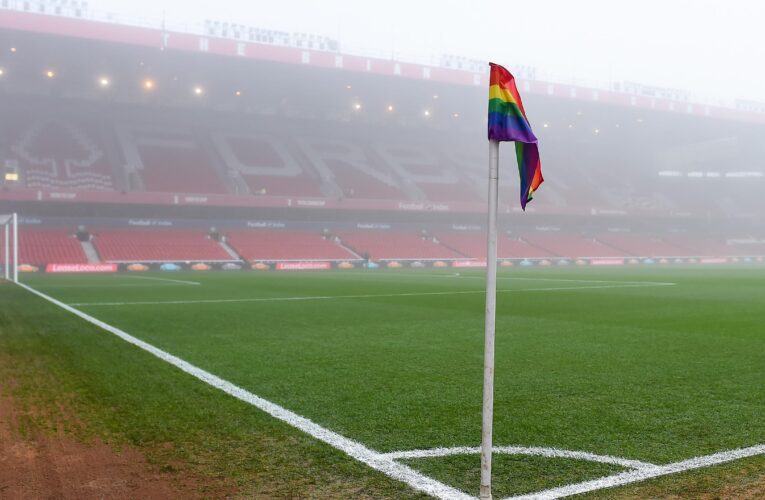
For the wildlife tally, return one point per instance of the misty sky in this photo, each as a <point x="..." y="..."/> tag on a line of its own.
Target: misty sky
<point x="715" y="49"/>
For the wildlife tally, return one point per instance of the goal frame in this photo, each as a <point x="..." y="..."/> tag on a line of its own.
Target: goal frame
<point x="10" y="235"/>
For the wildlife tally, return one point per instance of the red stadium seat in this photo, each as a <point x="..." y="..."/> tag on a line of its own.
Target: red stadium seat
<point x="46" y="246"/>
<point x="394" y="245"/>
<point x="157" y="246"/>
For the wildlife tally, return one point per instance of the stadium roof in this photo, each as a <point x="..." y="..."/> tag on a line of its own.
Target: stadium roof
<point x="308" y="50"/>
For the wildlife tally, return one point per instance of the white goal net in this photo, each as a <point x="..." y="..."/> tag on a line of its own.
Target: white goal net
<point x="9" y="248"/>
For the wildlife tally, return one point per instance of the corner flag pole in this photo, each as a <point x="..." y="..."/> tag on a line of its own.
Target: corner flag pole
<point x="491" y="309"/>
<point x="15" y="248"/>
<point x="6" y="256"/>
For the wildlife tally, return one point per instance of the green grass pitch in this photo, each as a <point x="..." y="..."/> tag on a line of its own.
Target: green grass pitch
<point x="657" y="364"/>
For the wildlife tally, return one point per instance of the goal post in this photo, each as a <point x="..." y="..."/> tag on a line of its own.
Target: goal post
<point x="10" y="234"/>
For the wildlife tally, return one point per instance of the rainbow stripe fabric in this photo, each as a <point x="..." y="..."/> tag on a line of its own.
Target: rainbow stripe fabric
<point x="508" y="122"/>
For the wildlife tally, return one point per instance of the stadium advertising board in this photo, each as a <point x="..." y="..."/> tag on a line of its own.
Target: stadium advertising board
<point x="714" y="260"/>
<point x="607" y="262"/>
<point x="469" y="263"/>
<point x="302" y="266"/>
<point x="81" y="268"/>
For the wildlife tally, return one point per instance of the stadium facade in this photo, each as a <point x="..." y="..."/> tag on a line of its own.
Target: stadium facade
<point x="243" y="147"/>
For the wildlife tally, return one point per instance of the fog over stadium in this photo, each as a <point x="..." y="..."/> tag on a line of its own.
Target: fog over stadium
<point x="247" y="245"/>
<point x="324" y="118"/>
<point x="710" y="48"/>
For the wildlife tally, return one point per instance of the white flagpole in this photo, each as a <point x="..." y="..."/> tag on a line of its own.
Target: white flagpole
<point x="6" y="257"/>
<point x="15" y="248"/>
<point x="491" y="308"/>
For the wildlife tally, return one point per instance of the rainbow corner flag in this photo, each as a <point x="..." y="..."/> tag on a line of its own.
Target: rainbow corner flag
<point x="508" y="122"/>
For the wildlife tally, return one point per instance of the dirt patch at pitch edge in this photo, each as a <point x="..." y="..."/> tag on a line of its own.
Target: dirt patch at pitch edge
<point x="54" y="464"/>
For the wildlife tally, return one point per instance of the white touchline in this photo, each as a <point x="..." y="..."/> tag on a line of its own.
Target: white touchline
<point x="162" y="279"/>
<point x="360" y="296"/>
<point x="105" y="285"/>
<point x="624" y="478"/>
<point x="352" y="448"/>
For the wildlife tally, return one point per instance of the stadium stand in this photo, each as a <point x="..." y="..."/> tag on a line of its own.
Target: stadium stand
<point x="449" y="192"/>
<point x="355" y="184"/>
<point x="473" y="245"/>
<point x="264" y="167"/>
<point x="700" y="246"/>
<point x="747" y="247"/>
<point x="518" y="248"/>
<point x="395" y="245"/>
<point x="642" y="245"/>
<point x="571" y="245"/>
<point x="52" y="153"/>
<point x="278" y="245"/>
<point x="351" y="168"/>
<point x="43" y="246"/>
<point x="637" y="167"/>
<point x="157" y="246"/>
<point x="178" y="170"/>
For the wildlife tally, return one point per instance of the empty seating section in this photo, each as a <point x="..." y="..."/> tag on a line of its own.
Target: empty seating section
<point x="643" y="245"/>
<point x="748" y="249"/>
<point x="473" y="245"/>
<point x="65" y="150"/>
<point x="49" y="246"/>
<point x="157" y="246"/>
<point x="57" y="154"/>
<point x="394" y="245"/>
<point x="469" y="244"/>
<point x="283" y="186"/>
<point x="449" y="192"/>
<point x="255" y="153"/>
<point x="89" y="146"/>
<point x="355" y="184"/>
<point x="700" y="246"/>
<point x="286" y="245"/>
<point x="571" y="245"/>
<point x="178" y="170"/>
<point x="43" y="246"/>
<point x="518" y="248"/>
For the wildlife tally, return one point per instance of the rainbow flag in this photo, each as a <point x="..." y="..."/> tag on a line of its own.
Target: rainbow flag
<point x="508" y="122"/>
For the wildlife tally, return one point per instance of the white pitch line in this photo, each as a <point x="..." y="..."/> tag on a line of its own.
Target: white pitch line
<point x="635" y="476"/>
<point x="163" y="279"/>
<point x="360" y="296"/>
<point x="352" y="448"/>
<point x="102" y="285"/>
<point x="522" y="450"/>
<point x="508" y="278"/>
